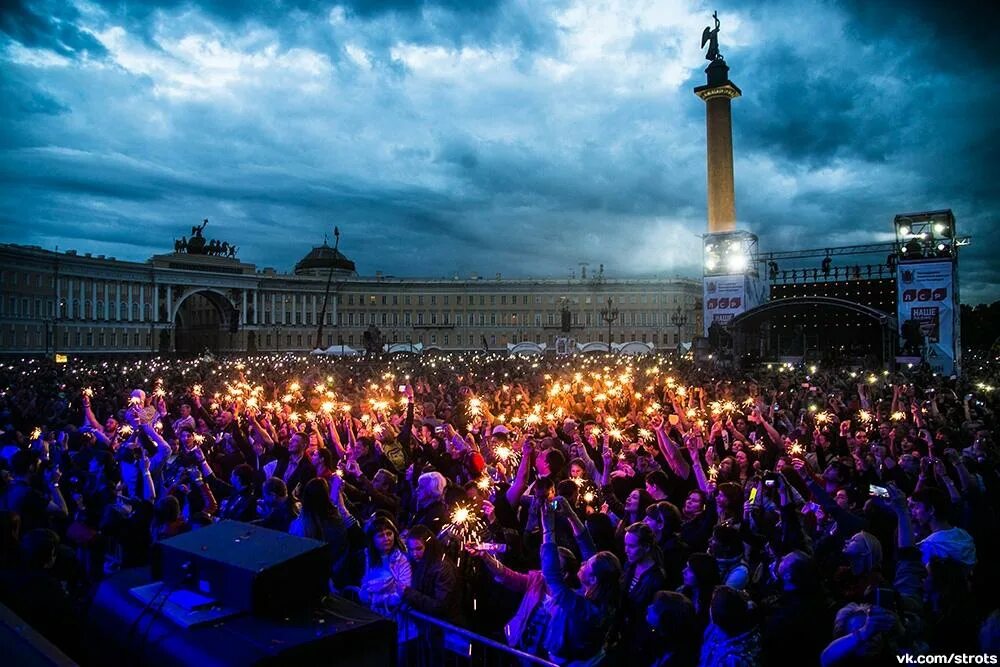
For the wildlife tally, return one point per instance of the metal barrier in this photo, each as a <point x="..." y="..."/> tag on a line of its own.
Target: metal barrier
<point x="438" y="643"/>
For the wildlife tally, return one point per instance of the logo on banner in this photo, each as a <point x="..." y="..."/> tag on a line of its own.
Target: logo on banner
<point x="711" y="287"/>
<point x="937" y="294"/>
<point x="725" y="303"/>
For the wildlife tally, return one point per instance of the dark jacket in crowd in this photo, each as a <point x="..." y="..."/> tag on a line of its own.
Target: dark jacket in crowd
<point x="434" y="589"/>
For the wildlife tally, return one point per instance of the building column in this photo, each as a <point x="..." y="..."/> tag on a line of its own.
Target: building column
<point x="156" y="302"/>
<point x="170" y="303"/>
<point x="142" y="302"/>
<point x="243" y="312"/>
<point x="256" y="307"/>
<point x="107" y="304"/>
<point x="93" y="300"/>
<point x="57" y="314"/>
<point x="69" y="298"/>
<point x="718" y="95"/>
<point x="128" y="303"/>
<point x="83" y="298"/>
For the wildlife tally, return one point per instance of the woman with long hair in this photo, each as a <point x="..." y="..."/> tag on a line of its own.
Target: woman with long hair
<point x="581" y="619"/>
<point x="664" y="519"/>
<point x="387" y="570"/>
<point x="319" y="519"/>
<point x="701" y="576"/>
<point x="322" y="460"/>
<point x="697" y="520"/>
<point x="729" y="504"/>
<point x="642" y="578"/>
<point x="434" y="587"/>
<point x="674" y="626"/>
<point x="863" y="569"/>
<point x="167" y="520"/>
<point x="325" y="518"/>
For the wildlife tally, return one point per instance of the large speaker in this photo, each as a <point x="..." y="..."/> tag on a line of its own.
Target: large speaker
<point x="245" y="567"/>
<point x="123" y="630"/>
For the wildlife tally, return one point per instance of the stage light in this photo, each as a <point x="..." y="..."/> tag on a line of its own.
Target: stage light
<point x="736" y="263"/>
<point x="711" y="262"/>
<point x="904" y="231"/>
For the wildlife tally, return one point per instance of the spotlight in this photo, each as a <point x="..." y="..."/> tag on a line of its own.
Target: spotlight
<point x="941" y="247"/>
<point x="711" y="263"/>
<point x="904" y="231"/>
<point x="736" y="263"/>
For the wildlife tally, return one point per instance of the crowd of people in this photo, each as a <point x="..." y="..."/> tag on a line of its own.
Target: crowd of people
<point x="612" y="510"/>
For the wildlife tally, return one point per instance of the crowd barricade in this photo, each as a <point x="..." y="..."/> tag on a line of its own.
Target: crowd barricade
<point x="441" y="644"/>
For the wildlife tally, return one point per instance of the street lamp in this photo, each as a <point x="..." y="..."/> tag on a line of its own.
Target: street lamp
<point x="679" y="319"/>
<point x="52" y="327"/>
<point x="609" y="315"/>
<point x="277" y="324"/>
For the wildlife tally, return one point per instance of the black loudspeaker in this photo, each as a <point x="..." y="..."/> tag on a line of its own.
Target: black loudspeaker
<point x="122" y="630"/>
<point x="245" y="567"/>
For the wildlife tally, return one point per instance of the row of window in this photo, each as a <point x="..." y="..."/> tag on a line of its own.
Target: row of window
<point x="482" y="319"/>
<point x="13" y="279"/>
<point x="445" y="339"/>
<point x="34" y="337"/>
<point x="384" y="299"/>
<point x="37" y="308"/>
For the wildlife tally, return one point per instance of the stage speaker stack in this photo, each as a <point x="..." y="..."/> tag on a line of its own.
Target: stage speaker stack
<point x="244" y="567"/>
<point x="234" y="594"/>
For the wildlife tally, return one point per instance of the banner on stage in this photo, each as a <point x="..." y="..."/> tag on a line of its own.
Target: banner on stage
<point x="725" y="297"/>
<point x="927" y="296"/>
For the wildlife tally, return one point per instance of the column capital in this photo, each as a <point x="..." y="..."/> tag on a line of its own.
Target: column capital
<point x="728" y="90"/>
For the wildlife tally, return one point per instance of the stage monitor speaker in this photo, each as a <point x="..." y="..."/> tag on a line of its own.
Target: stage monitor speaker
<point x="123" y="630"/>
<point x="245" y="567"/>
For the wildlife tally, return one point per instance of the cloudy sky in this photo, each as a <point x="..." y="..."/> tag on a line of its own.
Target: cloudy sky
<point x="507" y="136"/>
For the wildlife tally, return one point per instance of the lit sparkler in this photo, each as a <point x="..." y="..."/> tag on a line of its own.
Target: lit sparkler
<point x="465" y="526"/>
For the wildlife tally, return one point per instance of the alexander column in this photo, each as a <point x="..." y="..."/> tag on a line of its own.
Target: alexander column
<point x="718" y="95"/>
<point x="731" y="284"/>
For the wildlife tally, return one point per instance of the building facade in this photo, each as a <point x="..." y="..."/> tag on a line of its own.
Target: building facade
<point x="64" y="302"/>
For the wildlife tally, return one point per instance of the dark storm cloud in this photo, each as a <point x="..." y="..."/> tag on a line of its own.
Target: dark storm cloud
<point x="49" y="25"/>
